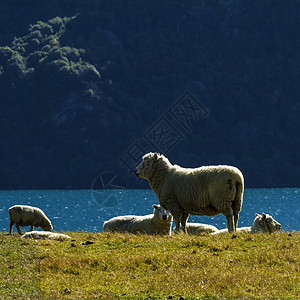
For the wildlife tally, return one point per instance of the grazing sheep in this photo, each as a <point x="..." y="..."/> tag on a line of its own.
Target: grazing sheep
<point x="44" y="235"/>
<point x="198" y="228"/>
<point x="24" y="215"/>
<point x="201" y="191"/>
<point x="262" y="223"/>
<point x="157" y="223"/>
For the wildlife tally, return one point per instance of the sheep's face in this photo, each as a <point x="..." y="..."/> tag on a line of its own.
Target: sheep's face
<point x="267" y="223"/>
<point x="49" y="227"/>
<point x="162" y="214"/>
<point x="145" y="168"/>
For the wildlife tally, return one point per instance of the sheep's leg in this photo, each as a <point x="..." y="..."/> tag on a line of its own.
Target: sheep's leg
<point x="235" y="218"/>
<point x="236" y="207"/>
<point x="31" y="227"/>
<point x="230" y="221"/>
<point x="10" y="227"/>
<point x="18" y="228"/>
<point x="184" y="217"/>
<point x="177" y="219"/>
<point x="230" y="225"/>
<point x="177" y="225"/>
<point x="176" y="213"/>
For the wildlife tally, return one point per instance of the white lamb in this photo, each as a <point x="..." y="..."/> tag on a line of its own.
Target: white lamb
<point x="44" y="235"/>
<point x="157" y="223"/>
<point x="199" y="228"/>
<point x="24" y="215"/>
<point x="262" y="223"/>
<point x="201" y="191"/>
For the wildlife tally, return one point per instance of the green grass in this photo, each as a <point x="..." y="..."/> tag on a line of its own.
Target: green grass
<point x="124" y="266"/>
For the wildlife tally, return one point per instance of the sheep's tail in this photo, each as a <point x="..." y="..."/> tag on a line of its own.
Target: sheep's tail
<point x="238" y="200"/>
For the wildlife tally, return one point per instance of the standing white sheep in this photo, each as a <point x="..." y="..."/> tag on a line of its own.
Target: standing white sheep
<point x="262" y="223"/>
<point x="201" y="191"/>
<point x="24" y="215"/>
<point x="157" y="223"/>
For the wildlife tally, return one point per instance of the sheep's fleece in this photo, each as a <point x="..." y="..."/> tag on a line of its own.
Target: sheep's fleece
<point x="44" y="235"/>
<point x="199" y="228"/>
<point x="201" y="191"/>
<point x="24" y="215"/>
<point x="262" y="223"/>
<point x="157" y="223"/>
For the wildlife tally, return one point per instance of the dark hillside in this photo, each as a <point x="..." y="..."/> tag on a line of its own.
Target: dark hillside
<point x="87" y="87"/>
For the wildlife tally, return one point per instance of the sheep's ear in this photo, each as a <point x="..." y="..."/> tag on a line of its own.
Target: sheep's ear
<point x="264" y="215"/>
<point x="256" y="215"/>
<point x="155" y="206"/>
<point x="155" y="156"/>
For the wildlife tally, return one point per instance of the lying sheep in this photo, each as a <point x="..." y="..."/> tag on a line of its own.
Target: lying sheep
<point x="24" y="215"/>
<point x="262" y="223"/>
<point x="157" y="223"/>
<point x="44" y="235"/>
<point x="198" y="228"/>
<point x="204" y="191"/>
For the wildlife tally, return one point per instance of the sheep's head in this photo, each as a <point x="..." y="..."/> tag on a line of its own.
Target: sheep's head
<point x="266" y="223"/>
<point x="162" y="214"/>
<point x="146" y="167"/>
<point x="48" y="227"/>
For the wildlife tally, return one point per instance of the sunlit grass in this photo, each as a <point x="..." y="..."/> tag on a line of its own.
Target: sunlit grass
<point x="128" y="266"/>
<point x="19" y="268"/>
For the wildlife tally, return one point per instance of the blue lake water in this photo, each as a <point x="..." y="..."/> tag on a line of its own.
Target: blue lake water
<point x="86" y="210"/>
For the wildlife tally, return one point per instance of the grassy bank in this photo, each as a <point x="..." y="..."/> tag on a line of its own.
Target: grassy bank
<point x="114" y="266"/>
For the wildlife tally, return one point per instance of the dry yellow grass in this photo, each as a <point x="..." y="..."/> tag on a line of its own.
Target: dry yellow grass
<point x="123" y="266"/>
